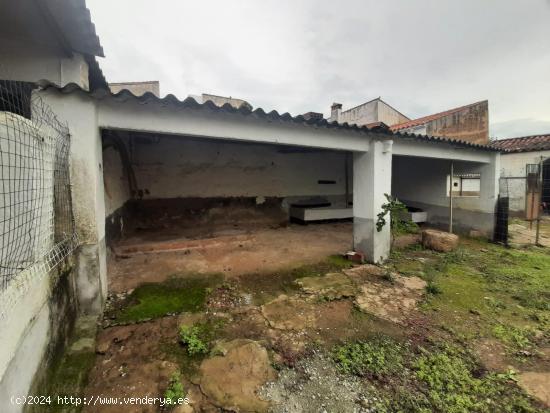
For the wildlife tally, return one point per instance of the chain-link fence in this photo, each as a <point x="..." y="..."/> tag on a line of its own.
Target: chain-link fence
<point x="523" y="210"/>
<point x="37" y="229"/>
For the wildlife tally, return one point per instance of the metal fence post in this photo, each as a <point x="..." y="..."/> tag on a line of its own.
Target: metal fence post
<point x="451" y="198"/>
<point x="539" y="212"/>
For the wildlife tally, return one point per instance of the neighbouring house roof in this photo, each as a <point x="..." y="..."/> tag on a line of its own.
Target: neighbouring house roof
<point x="189" y="102"/>
<point x="429" y="118"/>
<point x="531" y="143"/>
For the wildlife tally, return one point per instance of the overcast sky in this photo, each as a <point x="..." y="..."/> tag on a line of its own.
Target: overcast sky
<point x="420" y="56"/>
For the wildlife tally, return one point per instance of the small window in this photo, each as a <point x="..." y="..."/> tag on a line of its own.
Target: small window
<point x="464" y="185"/>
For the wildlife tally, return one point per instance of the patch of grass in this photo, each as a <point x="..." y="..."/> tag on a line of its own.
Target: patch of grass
<point x="450" y="383"/>
<point x="379" y="356"/>
<point x="483" y="284"/>
<point x="512" y="335"/>
<point x="432" y="288"/>
<point x="175" y="295"/>
<point x="454" y="386"/>
<point x="175" y="393"/>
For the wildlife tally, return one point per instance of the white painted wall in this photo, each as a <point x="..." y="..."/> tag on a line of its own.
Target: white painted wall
<point x="514" y="165"/>
<point x="426" y="180"/>
<point x="423" y="183"/>
<point x="389" y="115"/>
<point x="360" y="115"/>
<point x="369" y="112"/>
<point x="26" y="61"/>
<point x="173" y="167"/>
<point x="24" y="333"/>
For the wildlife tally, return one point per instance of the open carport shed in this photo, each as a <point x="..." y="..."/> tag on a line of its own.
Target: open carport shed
<point x="170" y="130"/>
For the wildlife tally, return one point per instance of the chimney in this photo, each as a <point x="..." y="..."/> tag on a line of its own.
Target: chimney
<point x="335" y="111"/>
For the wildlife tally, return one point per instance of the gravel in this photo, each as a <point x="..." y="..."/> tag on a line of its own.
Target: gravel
<point x="315" y="385"/>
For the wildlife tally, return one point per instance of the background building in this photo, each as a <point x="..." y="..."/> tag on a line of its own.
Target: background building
<point x="137" y="88"/>
<point x="373" y="111"/>
<point x="469" y="123"/>
<point x="521" y="170"/>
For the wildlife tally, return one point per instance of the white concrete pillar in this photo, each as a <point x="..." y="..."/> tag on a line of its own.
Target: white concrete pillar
<point x="371" y="180"/>
<point x="489" y="184"/>
<point x="86" y="164"/>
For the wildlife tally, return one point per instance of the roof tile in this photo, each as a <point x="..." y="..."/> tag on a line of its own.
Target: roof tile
<point x="523" y="144"/>
<point x="379" y="128"/>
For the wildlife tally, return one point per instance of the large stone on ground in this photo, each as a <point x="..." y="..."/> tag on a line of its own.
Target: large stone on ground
<point x="393" y="301"/>
<point x="536" y="384"/>
<point x="289" y="313"/>
<point x="439" y="240"/>
<point x="231" y="380"/>
<point x="330" y="286"/>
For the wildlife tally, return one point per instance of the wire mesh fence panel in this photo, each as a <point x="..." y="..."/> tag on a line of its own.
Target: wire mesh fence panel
<point x="37" y="229"/>
<point x="543" y="224"/>
<point x="529" y="206"/>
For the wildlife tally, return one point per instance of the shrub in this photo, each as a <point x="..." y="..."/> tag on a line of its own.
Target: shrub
<point x="193" y="338"/>
<point x="399" y="222"/>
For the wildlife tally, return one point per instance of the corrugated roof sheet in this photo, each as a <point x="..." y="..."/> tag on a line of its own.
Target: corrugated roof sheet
<point x="379" y="128"/>
<point x="73" y="19"/>
<point x="429" y="118"/>
<point x="523" y="144"/>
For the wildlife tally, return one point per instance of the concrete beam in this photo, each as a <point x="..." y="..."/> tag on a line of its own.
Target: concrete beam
<point x="156" y="118"/>
<point x="371" y="180"/>
<point x="435" y="150"/>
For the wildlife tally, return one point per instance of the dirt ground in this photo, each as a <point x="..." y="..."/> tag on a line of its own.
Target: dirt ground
<point x="228" y="252"/>
<point x="274" y="320"/>
<point x="524" y="232"/>
<point x="140" y="358"/>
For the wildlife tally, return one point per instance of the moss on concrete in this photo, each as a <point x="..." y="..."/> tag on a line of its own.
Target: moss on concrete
<point x="68" y="376"/>
<point x="176" y="295"/>
<point x="265" y="287"/>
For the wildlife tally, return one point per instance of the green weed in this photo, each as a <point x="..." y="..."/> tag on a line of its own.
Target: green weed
<point x="454" y="385"/>
<point x="191" y="337"/>
<point x="378" y="356"/>
<point x="432" y="288"/>
<point x="511" y="335"/>
<point x="175" y="393"/>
